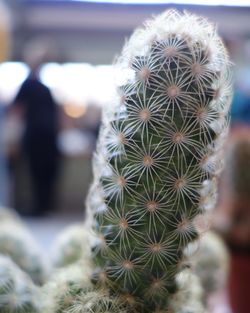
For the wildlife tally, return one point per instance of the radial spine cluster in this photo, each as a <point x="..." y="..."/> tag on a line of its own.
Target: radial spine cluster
<point x="158" y="156"/>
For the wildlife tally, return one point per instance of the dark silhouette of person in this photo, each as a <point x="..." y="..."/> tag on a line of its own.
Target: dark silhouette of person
<point x="39" y="143"/>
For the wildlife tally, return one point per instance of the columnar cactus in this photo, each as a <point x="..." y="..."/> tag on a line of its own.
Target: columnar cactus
<point x="158" y="157"/>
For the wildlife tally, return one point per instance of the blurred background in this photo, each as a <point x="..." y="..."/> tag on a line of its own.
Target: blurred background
<point x="73" y="45"/>
<point x="69" y="47"/>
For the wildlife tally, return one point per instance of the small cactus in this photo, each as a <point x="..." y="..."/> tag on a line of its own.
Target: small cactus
<point x="93" y="301"/>
<point x="211" y="264"/>
<point x="7" y="214"/>
<point x="18" y="244"/>
<point x="158" y="157"/>
<point x="17" y="292"/>
<point x="71" y="245"/>
<point x="65" y="285"/>
<point x="189" y="297"/>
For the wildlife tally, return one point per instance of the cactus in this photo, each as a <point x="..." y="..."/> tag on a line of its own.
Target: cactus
<point x="7" y="214"/>
<point x="17" y="243"/>
<point x="211" y="264"/>
<point x="17" y="292"/>
<point x="158" y="157"/>
<point x="71" y="245"/>
<point x="65" y="285"/>
<point x="189" y="297"/>
<point x="96" y="302"/>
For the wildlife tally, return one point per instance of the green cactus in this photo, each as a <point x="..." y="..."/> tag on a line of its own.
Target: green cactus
<point x="17" y="243"/>
<point x="158" y="156"/>
<point x="78" y="300"/>
<point x="17" y="292"/>
<point x="211" y="264"/>
<point x="7" y="214"/>
<point x="71" y="245"/>
<point x="96" y="302"/>
<point x="65" y="285"/>
<point x="189" y="298"/>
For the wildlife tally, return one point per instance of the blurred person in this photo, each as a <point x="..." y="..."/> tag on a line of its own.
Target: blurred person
<point x="232" y="218"/>
<point x="36" y="106"/>
<point x="3" y="162"/>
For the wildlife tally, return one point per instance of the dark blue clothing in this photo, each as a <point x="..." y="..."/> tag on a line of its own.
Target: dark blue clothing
<point x="39" y="139"/>
<point x="40" y="109"/>
<point x="240" y="110"/>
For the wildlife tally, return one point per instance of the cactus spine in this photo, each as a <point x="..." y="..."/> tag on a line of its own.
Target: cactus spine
<point x="158" y="157"/>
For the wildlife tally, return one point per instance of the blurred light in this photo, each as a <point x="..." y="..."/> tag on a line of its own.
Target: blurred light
<point x="12" y="74"/>
<point x="50" y="74"/>
<point x="73" y="142"/>
<point x="74" y="111"/>
<point x="192" y="2"/>
<point x="79" y="83"/>
<point x="74" y="83"/>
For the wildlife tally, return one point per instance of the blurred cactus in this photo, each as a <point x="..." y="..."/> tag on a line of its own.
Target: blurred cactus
<point x="71" y="245"/>
<point x="211" y="263"/>
<point x="7" y="214"/>
<point x="96" y="302"/>
<point x="76" y="299"/>
<point x="17" y="243"/>
<point x="64" y="286"/>
<point x="17" y="292"/>
<point x="189" y="297"/>
<point x="158" y="157"/>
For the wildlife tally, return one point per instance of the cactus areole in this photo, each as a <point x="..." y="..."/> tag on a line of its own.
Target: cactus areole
<point x="158" y="156"/>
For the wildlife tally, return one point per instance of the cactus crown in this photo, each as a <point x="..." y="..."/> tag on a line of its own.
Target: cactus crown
<point x="158" y="157"/>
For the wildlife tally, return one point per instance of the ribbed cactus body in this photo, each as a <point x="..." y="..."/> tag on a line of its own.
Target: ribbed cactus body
<point x="158" y="157"/>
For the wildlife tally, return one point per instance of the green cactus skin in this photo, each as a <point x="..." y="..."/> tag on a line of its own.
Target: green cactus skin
<point x="158" y="157"/>
<point x="17" y="292"/>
